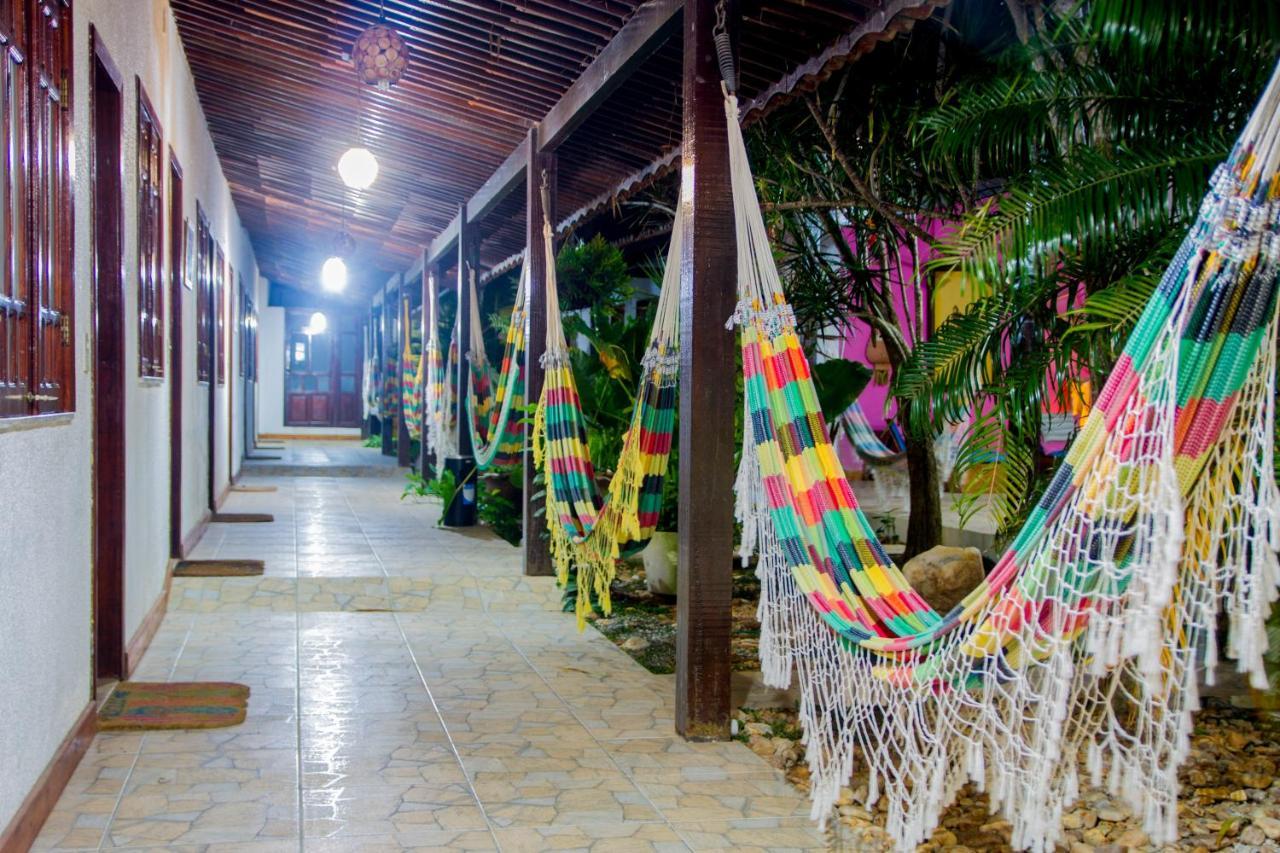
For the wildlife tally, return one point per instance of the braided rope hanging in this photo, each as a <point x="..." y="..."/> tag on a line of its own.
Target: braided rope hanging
<point x="588" y="531"/>
<point x="1088" y="638"/>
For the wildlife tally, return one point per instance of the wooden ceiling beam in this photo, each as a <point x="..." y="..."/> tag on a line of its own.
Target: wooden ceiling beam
<point x="643" y="34"/>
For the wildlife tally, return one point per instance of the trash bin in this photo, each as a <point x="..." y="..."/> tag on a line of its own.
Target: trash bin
<point x="461" y="511"/>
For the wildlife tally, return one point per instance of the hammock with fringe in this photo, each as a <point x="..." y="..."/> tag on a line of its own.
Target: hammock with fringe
<point x="440" y="391"/>
<point x="495" y="439"/>
<point x="1087" y="639"/>
<point x="590" y="532"/>
<point x="412" y="374"/>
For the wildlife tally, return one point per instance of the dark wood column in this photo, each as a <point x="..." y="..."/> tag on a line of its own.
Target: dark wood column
<point x="707" y="393"/>
<point x="404" y="444"/>
<point x="537" y="554"/>
<point x="468" y="258"/>
<point x="390" y="355"/>
<point x="430" y="277"/>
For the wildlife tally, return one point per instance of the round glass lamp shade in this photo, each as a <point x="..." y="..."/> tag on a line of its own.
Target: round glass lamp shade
<point x="358" y="168"/>
<point x="333" y="275"/>
<point x="318" y="325"/>
<point x="380" y="56"/>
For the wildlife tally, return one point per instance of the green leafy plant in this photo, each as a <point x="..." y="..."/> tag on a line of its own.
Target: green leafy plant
<point x="444" y="488"/>
<point x="499" y="505"/>
<point x="1092" y="138"/>
<point x="593" y="274"/>
<point x="373" y="441"/>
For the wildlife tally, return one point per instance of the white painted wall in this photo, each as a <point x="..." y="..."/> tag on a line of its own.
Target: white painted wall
<point x="45" y="512"/>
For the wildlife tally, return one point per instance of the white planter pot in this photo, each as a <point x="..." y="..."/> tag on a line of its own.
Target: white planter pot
<point x="661" y="559"/>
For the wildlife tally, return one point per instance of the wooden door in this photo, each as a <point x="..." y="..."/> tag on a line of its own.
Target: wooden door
<point x="322" y="371"/>
<point x="177" y="271"/>
<point x="106" y="114"/>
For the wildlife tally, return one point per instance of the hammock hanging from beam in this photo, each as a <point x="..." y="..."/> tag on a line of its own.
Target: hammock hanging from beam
<point x="590" y="532"/>
<point x="412" y="375"/>
<point x="440" y="389"/>
<point x="492" y="396"/>
<point x="1088" y="638"/>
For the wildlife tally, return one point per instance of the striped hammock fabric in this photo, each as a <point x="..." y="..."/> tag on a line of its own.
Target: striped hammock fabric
<point x="492" y="396"/>
<point x="411" y="380"/>
<point x="588" y="531"/>
<point x="440" y="390"/>
<point x="1088" y="638"/>
<point x="868" y="445"/>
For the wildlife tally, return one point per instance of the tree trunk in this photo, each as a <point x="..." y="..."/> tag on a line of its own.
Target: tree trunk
<point x="924" y="525"/>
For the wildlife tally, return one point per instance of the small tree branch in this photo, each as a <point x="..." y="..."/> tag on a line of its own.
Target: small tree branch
<point x="859" y="185"/>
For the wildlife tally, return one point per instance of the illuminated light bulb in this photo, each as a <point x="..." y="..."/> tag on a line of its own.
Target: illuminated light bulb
<point x="333" y="275"/>
<point x="318" y="325"/>
<point x="358" y="168"/>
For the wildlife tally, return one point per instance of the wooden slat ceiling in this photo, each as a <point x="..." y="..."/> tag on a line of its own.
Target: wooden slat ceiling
<point x="283" y="103"/>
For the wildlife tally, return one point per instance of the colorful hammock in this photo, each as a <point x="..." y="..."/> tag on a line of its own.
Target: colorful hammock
<point x="495" y="439"/>
<point x="588" y="531"/>
<point x="439" y="389"/>
<point x="868" y="445"/>
<point x="1088" y="637"/>
<point x="411" y="380"/>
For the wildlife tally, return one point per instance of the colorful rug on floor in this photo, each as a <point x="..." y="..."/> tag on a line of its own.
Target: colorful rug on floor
<point x="218" y="568"/>
<point x="145" y="706"/>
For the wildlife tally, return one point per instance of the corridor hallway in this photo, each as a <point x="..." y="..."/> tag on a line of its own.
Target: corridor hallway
<point x="410" y="690"/>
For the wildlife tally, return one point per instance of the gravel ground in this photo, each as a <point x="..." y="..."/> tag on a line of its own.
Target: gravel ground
<point x="1230" y="797"/>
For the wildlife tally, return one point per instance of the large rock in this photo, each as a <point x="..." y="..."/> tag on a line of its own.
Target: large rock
<point x="944" y="575"/>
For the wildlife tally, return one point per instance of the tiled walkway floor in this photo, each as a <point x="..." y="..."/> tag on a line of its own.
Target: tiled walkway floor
<point x="411" y="691"/>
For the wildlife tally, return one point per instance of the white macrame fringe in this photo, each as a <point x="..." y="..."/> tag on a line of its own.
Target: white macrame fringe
<point x="1118" y="694"/>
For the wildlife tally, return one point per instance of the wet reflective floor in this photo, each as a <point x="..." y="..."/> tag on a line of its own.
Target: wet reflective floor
<point x="410" y="691"/>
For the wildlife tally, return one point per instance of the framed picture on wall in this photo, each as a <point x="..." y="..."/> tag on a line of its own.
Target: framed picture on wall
<point x="189" y="279"/>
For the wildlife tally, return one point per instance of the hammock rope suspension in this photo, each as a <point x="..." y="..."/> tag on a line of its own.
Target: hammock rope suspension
<point x="1088" y="638"/>
<point x="590" y="532"/>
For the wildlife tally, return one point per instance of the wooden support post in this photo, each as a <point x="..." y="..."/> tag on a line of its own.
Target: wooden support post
<point x="390" y="322"/>
<point x="468" y="259"/>
<point x="426" y="458"/>
<point x="707" y="393"/>
<point x="536" y="548"/>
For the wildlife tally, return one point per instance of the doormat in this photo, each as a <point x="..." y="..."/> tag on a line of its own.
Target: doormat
<point x="240" y="488"/>
<point x="261" y="458"/>
<point x="242" y="517"/>
<point x="143" y="706"/>
<point x="218" y="568"/>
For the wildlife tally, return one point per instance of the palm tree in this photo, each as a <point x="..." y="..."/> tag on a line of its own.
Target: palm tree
<point x="1087" y="147"/>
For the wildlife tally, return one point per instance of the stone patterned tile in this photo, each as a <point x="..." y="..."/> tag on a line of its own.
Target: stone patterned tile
<point x="773" y="835"/>
<point x="663" y="758"/>
<point x="438" y="841"/>
<point x="209" y="595"/>
<point x="389" y="808"/>
<point x="203" y="798"/>
<point x="411" y="690"/>
<point x="722" y="796"/>
<point x="561" y="799"/>
<point x="606" y="838"/>
<point x="351" y="594"/>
